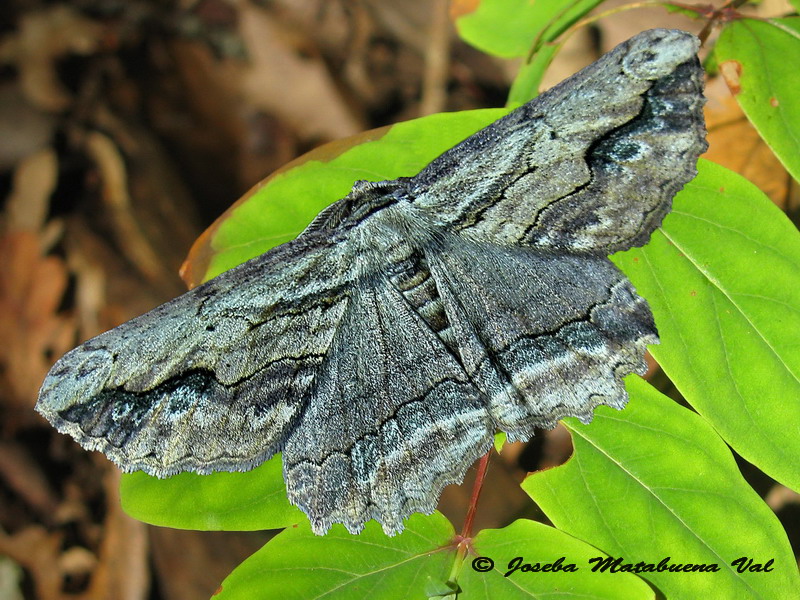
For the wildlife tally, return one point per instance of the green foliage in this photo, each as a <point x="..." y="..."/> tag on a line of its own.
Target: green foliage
<point x="768" y="54"/>
<point x="521" y="28"/>
<point x="223" y="502"/>
<point x="655" y="480"/>
<point x="510" y="28"/>
<point x="526" y="84"/>
<point x="279" y="209"/>
<point x="722" y="279"/>
<point x="417" y="564"/>
<point x="298" y="564"/>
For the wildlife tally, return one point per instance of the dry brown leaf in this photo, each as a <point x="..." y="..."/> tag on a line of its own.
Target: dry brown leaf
<point x="32" y="331"/>
<point x="191" y="564"/>
<point x="111" y="555"/>
<point x="23" y="476"/>
<point x="122" y="570"/>
<point x="77" y="561"/>
<point x="279" y="80"/>
<point x="34" y="181"/>
<point x="24" y="129"/>
<point x="36" y="550"/>
<point x="153" y="203"/>
<point x="114" y="176"/>
<point x="90" y="290"/>
<point x="43" y="37"/>
<point x="72" y="507"/>
<point x="107" y="291"/>
<point x="437" y="60"/>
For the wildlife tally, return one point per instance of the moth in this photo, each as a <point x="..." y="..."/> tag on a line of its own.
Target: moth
<point x="382" y="349"/>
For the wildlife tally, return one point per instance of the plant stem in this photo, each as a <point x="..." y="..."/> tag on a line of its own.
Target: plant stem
<point x="466" y="532"/>
<point x="465" y="538"/>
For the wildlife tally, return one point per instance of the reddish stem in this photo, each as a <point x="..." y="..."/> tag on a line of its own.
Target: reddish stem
<point x="483" y="465"/>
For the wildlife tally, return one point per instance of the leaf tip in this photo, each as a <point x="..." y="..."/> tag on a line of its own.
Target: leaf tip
<point x="462" y="8"/>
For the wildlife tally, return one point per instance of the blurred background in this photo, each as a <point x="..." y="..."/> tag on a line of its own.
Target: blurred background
<point x="126" y="127"/>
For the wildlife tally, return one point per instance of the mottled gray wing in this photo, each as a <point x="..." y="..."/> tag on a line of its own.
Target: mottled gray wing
<point x="590" y="165"/>
<point x="456" y="340"/>
<point x="382" y="348"/>
<point x="392" y="420"/>
<point x="215" y="379"/>
<point x="544" y="335"/>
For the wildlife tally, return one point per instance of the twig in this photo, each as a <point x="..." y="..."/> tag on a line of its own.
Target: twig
<point x="483" y="465"/>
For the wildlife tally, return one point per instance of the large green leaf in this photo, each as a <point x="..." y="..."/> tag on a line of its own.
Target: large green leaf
<point x="298" y="564"/>
<point x="536" y="543"/>
<point x="419" y="564"/>
<point x="512" y="28"/>
<point x="655" y="481"/>
<point x="509" y="28"/>
<point x="278" y="210"/>
<point x="767" y="53"/>
<point x="723" y="279"/>
<point x="223" y="501"/>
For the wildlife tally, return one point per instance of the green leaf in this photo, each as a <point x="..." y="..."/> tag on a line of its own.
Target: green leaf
<point x="298" y="564"/>
<point x="537" y="543"/>
<point x="509" y="28"/>
<point x="419" y="562"/>
<point x="527" y="82"/>
<point x="500" y="439"/>
<point x="279" y="210"/>
<point x="767" y="54"/>
<point x="512" y="28"/>
<point x="222" y="501"/>
<point x="723" y="279"/>
<point x="655" y="481"/>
